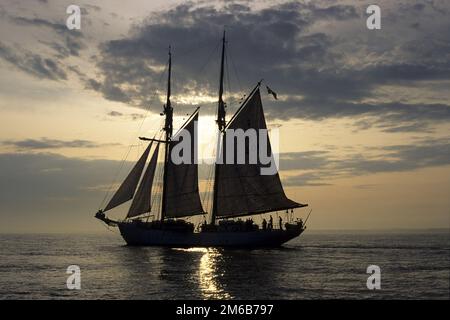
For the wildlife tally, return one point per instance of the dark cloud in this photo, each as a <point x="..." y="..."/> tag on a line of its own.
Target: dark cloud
<point x="275" y="43"/>
<point x="115" y="93"/>
<point x="430" y="153"/>
<point x="414" y="127"/>
<point x="307" y="65"/>
<point x="93" y="84"/>
<point x="75" y="69"/>
<point x="310" y="179"/>
<point x="109" y="90"/>
<point x="61" y="50"/>
<point x="50" y="184"/>
<point x="45" y="143"/>
<point x="70" y="42"/>
<point x="115" y="114"/>
<point x="132" y="116"/>
<point x="398" y="72"/>
<point x="419" y="7"/>
<point x="33" y="64"/>
<point x="38" y="22"/>
<point x="339" y="12"/>
<point x="388" y="117"/>
<point x="305" y="160"/>
<point x="322" y="167"/>
<point x="269" y="41"/>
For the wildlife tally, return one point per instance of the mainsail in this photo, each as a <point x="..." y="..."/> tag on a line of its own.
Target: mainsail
<point x="142" y="199"/>
<point x="241" y="189"/>
<point x="128" y="186"/>
<point x="182" y="193"/>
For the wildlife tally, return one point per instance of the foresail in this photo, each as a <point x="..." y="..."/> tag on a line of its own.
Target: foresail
<point x="242" y="189"/>
<point x="182" y="193"/>
<point x="128" y="186"/>
<point x="142" y="199"/>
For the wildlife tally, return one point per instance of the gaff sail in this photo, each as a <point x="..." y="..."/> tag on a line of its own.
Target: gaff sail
<point x="182" y="192"/>
<point x="241" y="188"/>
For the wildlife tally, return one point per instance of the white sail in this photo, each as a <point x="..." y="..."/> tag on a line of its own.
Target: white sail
<point x="241" y="189"/>
<point x="128" y="186"/>
<point x="142" y="199"/>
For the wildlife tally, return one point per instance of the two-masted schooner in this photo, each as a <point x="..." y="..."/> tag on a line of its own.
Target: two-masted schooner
<point x="239" y="189"/>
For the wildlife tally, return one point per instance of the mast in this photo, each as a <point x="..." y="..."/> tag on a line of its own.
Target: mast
<point x="221" y="125"/>
<point x="221" y="104"/>
<point x="168" y="128"/>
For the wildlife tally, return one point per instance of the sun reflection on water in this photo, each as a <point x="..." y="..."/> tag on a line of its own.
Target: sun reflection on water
<point x="210" y="274"/>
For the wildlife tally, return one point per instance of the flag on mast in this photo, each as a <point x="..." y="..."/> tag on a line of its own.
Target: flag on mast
<point x="273" y="93"/>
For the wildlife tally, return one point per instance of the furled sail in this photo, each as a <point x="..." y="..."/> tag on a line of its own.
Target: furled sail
<point x="128" y="186"/>
<point x="241" y="189"/>
<point x="182" y="193"/>
<point x="142" y="199"/>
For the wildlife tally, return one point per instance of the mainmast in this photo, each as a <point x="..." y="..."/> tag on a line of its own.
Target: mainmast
<point x="221" y="105"/>
<point x="168" y="128"/>
<point x="221" y="125"/>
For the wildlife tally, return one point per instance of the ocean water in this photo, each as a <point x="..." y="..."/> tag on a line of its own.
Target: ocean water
<point x="317" y="265"/>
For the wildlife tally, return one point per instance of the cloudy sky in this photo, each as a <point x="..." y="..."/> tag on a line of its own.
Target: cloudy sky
<point x="363" y="115"/>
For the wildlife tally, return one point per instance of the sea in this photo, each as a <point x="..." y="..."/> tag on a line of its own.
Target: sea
<point x="316" y="265"/>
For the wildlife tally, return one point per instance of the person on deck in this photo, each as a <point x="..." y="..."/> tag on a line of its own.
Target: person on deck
<point x="264" y="224"/>
<point x="270" y="223"/>
<point x="281" y="222"/>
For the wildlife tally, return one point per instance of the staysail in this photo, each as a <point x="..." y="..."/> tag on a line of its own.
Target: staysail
<point x="142" y="199"/>
<point x="128" y="186"/>
<point x="241" y="188"/>
<point x="182" y="192"/>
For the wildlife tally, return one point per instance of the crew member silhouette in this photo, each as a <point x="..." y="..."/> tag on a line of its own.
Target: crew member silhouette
<point x="264" y="224"/>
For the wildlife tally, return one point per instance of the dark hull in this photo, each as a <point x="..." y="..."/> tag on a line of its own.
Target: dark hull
<point x="138" y="235"/>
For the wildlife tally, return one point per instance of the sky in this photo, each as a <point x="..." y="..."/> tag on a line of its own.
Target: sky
<point x="363" y="115"/>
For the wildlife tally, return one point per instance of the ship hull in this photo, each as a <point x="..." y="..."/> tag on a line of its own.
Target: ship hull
<point x="137" y="235"/>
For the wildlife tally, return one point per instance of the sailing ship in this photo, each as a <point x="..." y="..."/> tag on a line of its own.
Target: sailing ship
<point x="239" y="190"/>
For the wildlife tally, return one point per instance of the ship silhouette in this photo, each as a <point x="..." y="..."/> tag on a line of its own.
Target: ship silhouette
<point x="239" y="190"/>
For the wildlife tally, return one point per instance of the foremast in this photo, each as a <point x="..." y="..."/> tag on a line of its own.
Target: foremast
<point x="168" y="128"/>
<point x="180" y="192"/>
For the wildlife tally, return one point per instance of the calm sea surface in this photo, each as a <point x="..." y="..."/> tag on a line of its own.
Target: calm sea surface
<point x="317" y="265"/>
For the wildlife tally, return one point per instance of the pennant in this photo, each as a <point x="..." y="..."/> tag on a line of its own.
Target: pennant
<point x="273" y="93"/>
